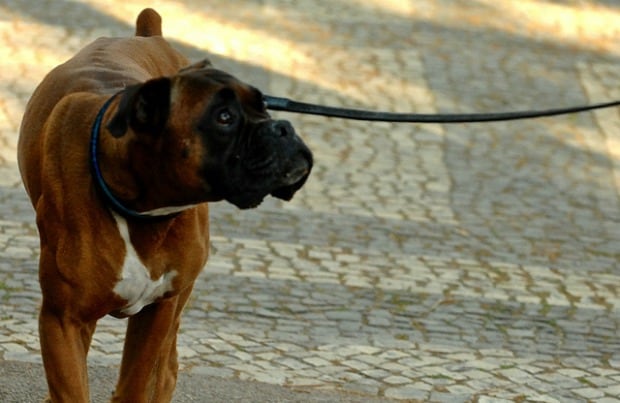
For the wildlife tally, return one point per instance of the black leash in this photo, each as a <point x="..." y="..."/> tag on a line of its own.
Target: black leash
<point x="287" y="105"/>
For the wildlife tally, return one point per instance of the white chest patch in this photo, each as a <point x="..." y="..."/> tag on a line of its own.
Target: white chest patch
<point x="168" y="210"/>
<point x="135" y="284"/>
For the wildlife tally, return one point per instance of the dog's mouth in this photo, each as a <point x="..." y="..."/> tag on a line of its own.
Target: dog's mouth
<point x="299" y="172"/>
<point x="294" y="178"/>
<point x="282" y="185"/>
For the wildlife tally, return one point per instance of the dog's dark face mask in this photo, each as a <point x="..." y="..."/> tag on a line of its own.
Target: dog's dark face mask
<point x="258" y="155"/>
<point x="214" y="132"/>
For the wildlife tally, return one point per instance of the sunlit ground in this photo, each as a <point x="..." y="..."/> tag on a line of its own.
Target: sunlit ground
<point x="262" y="35"/>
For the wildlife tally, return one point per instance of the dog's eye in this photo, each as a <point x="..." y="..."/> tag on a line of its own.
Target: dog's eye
<point x="225" y="117"/>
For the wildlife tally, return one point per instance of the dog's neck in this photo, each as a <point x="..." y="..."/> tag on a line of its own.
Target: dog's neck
<point x="104" y="190"/>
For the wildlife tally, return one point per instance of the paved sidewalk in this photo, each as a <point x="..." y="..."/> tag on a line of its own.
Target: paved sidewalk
<point x="439" y="263"/>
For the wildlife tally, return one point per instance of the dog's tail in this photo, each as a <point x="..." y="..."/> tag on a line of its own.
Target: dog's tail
<point x="148" y="23"/>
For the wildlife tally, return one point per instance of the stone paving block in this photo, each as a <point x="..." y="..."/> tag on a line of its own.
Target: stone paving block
<point x="406" y="393"/>
<point x="606" y="400"/>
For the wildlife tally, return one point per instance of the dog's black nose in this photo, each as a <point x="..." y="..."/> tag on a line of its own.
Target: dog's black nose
<point x="277" y="129"/>
<point x="283" y="128"/>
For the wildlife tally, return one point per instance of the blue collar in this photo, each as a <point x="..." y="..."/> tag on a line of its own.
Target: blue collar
<point x="103" y="188"/>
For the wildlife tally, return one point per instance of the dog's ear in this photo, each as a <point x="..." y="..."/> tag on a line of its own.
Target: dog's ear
<point x="143" y="107"/>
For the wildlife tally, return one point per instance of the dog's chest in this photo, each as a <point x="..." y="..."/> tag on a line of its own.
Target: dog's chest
<point x="135" y="284"/>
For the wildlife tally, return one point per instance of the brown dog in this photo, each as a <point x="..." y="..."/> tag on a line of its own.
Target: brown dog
<point x="120" y="148"/>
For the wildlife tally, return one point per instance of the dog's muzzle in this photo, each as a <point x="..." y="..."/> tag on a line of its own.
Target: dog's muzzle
<point x="275" y="162"/>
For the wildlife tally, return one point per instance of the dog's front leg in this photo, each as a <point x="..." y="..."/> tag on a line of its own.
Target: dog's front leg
<point x="149" y="366"/>
<point x="64" y="345"/>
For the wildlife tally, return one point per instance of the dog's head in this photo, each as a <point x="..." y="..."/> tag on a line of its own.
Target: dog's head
<point x="208" y="137"/>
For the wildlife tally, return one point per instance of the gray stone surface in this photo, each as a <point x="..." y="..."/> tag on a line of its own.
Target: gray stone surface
<point x="474" y="262"/>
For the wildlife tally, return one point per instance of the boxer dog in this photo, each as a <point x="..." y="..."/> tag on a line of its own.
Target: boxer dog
<point x="120" y="150"/>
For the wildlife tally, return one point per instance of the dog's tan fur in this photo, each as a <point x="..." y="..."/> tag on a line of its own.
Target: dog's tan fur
<point x="81" y="249"/>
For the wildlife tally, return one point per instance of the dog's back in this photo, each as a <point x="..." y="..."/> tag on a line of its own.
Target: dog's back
<point x="104" y="67"/>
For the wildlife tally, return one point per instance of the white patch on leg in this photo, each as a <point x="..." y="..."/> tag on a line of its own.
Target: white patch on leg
<point x="135" y="284"/>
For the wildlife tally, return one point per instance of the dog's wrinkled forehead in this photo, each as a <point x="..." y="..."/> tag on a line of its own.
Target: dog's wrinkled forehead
<point x="203" y="75"/>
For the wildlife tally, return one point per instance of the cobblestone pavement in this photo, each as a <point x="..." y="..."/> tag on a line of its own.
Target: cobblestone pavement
<point x="471" y="262"/>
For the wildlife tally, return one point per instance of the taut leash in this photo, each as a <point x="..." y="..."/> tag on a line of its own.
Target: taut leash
<point x="287" y="105"/>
